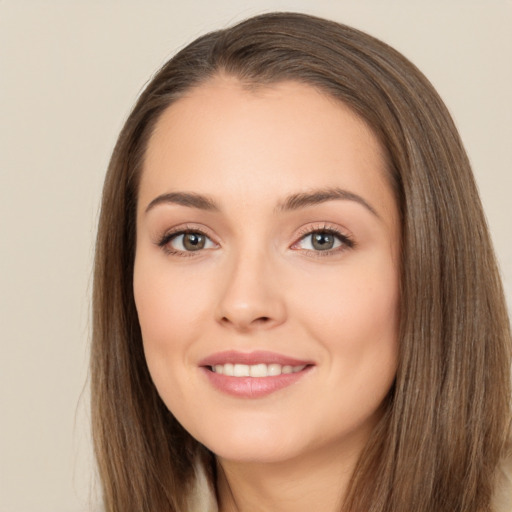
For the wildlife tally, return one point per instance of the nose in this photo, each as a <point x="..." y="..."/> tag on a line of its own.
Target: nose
<point x="251" y="297"/>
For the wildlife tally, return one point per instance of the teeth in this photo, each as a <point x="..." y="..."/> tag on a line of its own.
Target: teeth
<point x="273" y="369"/>
<point x="241" y="370"/>
<point x="255" y="370"/>
<point x="258" y="370"/>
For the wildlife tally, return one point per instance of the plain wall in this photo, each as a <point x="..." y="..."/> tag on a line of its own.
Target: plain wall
<point x="69" y="73"/>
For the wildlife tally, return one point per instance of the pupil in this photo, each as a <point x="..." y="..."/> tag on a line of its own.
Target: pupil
<point x="193" y="241"/>
<point x="323" y="241"/>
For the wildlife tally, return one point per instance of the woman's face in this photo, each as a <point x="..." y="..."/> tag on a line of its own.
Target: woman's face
<point x="266" y="270"/>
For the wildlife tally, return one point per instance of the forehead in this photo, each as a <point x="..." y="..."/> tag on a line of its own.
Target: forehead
<point x="259" y="142"/>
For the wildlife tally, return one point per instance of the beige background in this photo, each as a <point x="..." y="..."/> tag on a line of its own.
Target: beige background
<point x="69" y="72"/>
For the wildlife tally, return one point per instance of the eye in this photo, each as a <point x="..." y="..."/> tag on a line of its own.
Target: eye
<point x="186" y="241"/>
<point x="323" y="240"/>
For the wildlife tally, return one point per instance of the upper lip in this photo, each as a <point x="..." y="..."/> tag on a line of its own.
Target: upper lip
<point x="251" y="358"/>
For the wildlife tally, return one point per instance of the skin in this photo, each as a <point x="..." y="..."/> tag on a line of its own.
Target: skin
<point x="260" y="284"/>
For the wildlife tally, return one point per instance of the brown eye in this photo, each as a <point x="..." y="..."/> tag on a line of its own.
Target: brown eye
<point x="190" y="242"/>
<point x="194" y="241"/>
<point x="322" y="241"/>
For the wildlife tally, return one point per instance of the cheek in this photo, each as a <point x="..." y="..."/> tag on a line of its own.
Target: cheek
<point x="358" y="304"/>
<point x="358" y="328"/>
<point x="164" y="323"/>
<point x="354" y="315"/>
<point x="168" y="303"/>
<point x="157" y="311"/>
<point x="169" y="315"/>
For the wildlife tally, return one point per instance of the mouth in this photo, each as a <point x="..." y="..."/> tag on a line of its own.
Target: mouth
<point x="255" y="370"/>
<point x="253" y="375"/>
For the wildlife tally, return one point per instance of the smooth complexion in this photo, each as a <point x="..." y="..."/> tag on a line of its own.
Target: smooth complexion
<point x="267" y="232"/>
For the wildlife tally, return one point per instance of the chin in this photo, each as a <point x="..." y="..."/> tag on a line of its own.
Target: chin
<point x="261" y="453"/>
<point x="251" y="444"/>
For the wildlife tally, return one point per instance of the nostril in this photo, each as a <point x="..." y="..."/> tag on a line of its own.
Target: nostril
<point x="255" y="321"/>
<point x="261" y="320"/>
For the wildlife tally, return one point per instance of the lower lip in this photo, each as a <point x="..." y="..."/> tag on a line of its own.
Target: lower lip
<point x="253" y="387"/>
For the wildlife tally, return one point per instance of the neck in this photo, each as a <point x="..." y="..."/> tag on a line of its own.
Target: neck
<point x="317" y="482"/>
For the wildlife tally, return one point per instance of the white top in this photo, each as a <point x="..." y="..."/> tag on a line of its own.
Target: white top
<point x="203" y="499"/>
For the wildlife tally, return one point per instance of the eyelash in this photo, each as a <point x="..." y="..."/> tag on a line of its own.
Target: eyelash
<point x="166" y="239"/>
<point x="346" y="241"/>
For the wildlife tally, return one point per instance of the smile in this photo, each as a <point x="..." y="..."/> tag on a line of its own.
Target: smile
<point x="255" y="370"/>
<point x="253" y="375"/>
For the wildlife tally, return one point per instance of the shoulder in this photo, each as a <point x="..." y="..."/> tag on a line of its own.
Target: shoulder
<point x="202" y="498"/>
<point x="502" y="501"/>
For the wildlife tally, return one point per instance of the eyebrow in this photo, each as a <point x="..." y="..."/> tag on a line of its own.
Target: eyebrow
<point x="190" y="199"/>
<point x="305" y="199"/>
<point x="293" y="202"/>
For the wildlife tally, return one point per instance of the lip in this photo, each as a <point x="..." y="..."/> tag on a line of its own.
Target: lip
<point x="250" y="358"/>
<point x="252" y="387"/>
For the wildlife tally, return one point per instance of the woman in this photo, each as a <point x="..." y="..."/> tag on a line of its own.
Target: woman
<point x="296" y="302"/>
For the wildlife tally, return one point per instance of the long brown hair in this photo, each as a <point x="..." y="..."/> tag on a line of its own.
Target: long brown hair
<point x="448" y="415"/>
